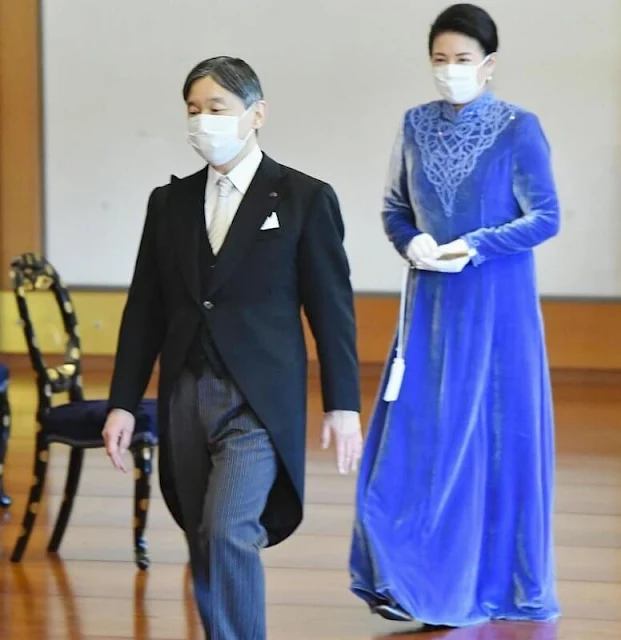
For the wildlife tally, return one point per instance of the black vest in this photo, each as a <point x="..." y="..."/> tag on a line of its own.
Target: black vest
<point x="203" y="351"/>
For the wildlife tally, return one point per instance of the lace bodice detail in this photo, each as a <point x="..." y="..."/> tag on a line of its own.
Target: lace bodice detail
<point x="450" y="142"/>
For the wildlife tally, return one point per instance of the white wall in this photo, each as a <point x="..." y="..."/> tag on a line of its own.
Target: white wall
<point x="338" y="74"/>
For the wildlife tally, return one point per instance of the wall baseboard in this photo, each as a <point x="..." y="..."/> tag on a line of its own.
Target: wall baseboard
<point x="100" y="366"/>
<point x="581" y="335"/>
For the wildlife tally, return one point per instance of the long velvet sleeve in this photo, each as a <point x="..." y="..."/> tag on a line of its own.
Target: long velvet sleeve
<point x="397" y="214"/>
<point x="535" y="191"/>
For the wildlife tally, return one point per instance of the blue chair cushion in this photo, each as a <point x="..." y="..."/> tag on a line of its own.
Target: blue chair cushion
<point x="4" y="377"/>
<point x="79" y="424"/>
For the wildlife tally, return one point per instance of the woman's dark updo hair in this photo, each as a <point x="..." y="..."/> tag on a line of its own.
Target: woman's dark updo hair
<point x="469" y="20"/>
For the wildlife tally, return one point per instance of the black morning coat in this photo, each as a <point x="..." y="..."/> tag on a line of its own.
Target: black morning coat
<point x="257" y="288"/>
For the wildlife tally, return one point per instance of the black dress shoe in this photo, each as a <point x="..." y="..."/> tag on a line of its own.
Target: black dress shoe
<point x="392" y="612"/>
<point x="428" y="628"/>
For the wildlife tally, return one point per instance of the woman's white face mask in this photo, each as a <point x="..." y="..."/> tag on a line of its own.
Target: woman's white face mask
<point x="459" y="83"/>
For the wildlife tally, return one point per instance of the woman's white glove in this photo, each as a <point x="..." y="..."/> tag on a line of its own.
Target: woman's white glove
<point x="422" y="247"/>
<point x="453" y="257"/>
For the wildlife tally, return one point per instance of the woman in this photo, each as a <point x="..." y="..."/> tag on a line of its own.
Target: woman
<point x="455" y="496"/>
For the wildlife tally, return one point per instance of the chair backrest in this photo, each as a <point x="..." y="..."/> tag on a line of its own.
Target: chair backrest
<point x="32" y="273"/>
<point x="4" y="379"/>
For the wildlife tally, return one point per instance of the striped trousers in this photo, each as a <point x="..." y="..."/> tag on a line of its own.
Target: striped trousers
<point x="224" y="466"/>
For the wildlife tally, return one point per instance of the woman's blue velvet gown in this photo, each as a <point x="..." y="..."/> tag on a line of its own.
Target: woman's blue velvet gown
<point x="455" y="495"/>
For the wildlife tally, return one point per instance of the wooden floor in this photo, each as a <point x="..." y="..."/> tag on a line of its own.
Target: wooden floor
<point x="93" y="590"/>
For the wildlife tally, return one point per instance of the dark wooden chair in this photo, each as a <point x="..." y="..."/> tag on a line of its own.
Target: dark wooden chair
<point x="5" y="430"/>
<point x="78" y="423"/>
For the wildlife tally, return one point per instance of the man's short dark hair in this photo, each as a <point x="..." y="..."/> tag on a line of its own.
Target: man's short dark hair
<point x="233" y="74"/>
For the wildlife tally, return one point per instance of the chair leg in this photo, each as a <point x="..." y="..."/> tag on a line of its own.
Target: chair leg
<point x="32" y="508"/>
<point x="143" y="462"/>
<point x="5" y="432"/>
<point x="71" y="488"/>
<point x="141" y="613"/>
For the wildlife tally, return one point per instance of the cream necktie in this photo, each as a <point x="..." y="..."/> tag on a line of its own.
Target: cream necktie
<point x="219" y="226"/>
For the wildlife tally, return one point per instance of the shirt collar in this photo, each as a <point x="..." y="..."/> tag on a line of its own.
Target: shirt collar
<point x="242" y="174"/>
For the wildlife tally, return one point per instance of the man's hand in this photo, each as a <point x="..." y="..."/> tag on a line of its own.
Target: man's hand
<point x="348" y="434"/>
<point x="117" y="435"/>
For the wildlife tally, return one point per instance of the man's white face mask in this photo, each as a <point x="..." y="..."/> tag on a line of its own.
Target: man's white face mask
<point x="216" y="138"/>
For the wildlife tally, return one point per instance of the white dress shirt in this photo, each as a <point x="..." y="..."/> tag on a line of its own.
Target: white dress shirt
<point x="241" y="177"/>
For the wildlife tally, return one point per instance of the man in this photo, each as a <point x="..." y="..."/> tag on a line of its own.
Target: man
<point x="228" y="257"/>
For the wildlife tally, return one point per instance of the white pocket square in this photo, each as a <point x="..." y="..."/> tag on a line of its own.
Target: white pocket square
<point x="271" y="222"/>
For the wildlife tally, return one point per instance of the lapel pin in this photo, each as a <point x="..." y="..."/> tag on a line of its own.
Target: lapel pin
<point x="273" y="194"/>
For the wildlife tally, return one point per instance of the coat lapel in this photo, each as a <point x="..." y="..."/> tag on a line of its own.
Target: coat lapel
<point x="187" y="205"/>
<point x="258" y="203"/>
